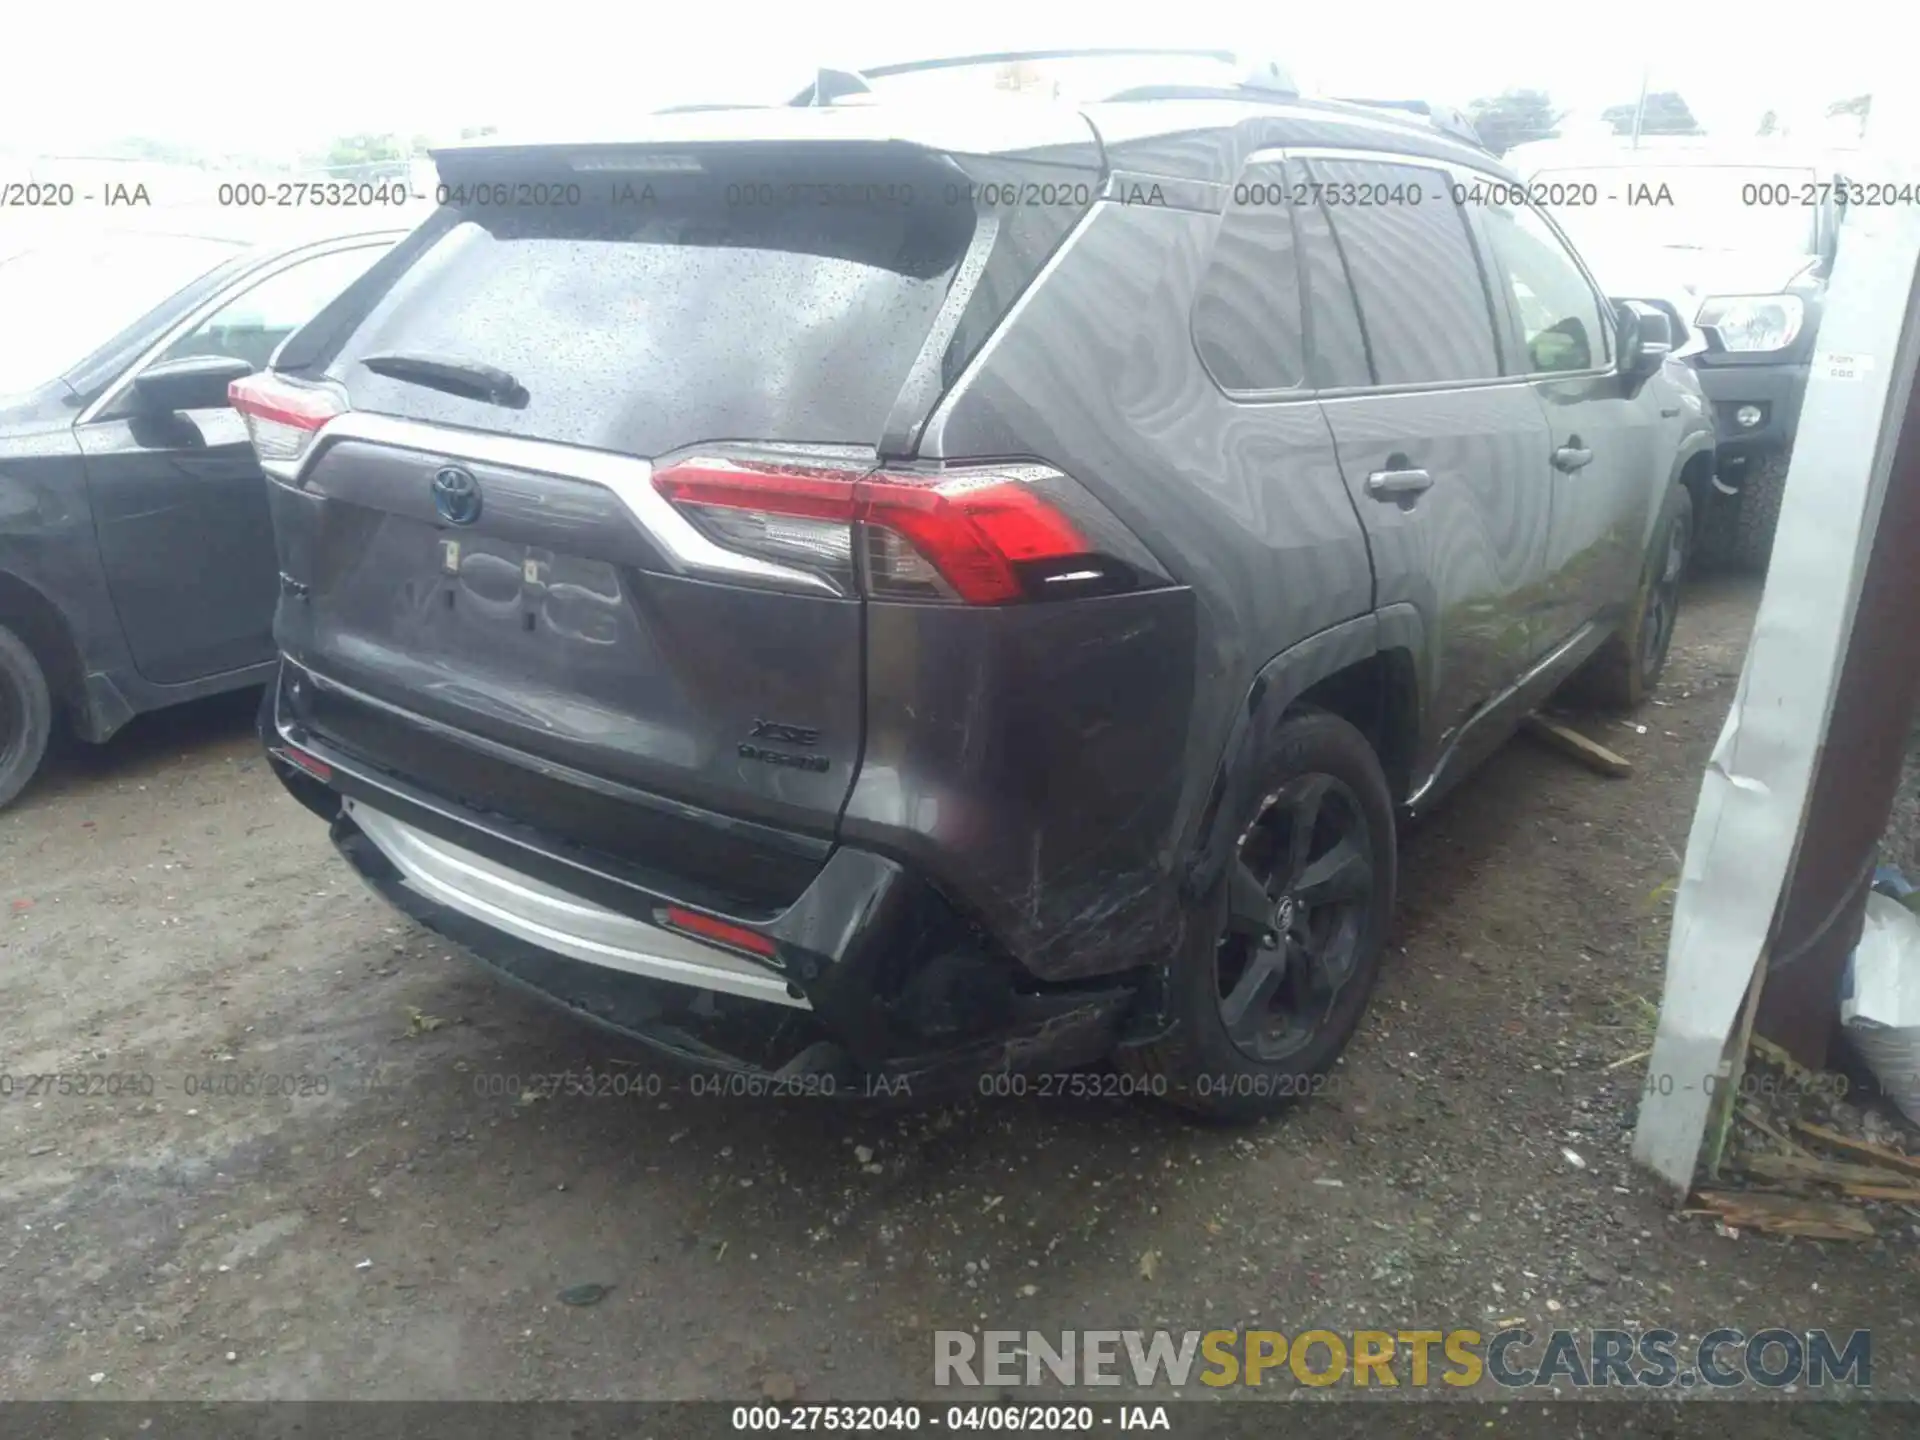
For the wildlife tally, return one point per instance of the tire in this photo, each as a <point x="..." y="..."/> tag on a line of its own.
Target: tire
<point x="1757" y="515"/>
<point x="1623" y="672"/>
<point x="1301" y="998"/>
<point x="1713" y="520"/>
<point x="26" y="715"/>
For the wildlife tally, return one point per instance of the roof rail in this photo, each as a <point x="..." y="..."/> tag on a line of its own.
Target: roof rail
<point x="1447" y="119"/>
<point x="1262" y="76"/>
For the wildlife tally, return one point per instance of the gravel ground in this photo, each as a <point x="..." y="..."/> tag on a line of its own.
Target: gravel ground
<point x="166" y="912"/>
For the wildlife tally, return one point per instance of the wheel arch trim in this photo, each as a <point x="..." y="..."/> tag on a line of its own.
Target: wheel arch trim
<point x="1270" y="698"/>
<point x="49" y="636"/>
<point x="1655" y="533"/>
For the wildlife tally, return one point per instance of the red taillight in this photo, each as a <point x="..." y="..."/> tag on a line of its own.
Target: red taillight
<point x="973" y="531"/>
<point x="799" y="516"/>
<point x="282" y="418"/>
<point x="709" y="928"/>
<point x="951" y="534"/>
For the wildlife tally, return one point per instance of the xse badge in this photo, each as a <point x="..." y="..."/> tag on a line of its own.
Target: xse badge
<point x="785" y="735"/>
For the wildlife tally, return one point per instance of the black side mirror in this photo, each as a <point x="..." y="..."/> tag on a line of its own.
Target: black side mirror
<point x="1646" y="338"/>
<point x="193" y="382"/>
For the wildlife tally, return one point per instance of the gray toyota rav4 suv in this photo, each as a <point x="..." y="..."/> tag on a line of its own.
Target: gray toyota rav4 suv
<point x="847" y="591"/>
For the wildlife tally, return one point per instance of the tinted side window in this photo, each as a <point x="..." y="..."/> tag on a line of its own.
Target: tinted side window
<point x="1336" y="343"/>
<point x="1560" y="318"/>
<point x="1414" y="269"/>
<point x="1246" y="315"/>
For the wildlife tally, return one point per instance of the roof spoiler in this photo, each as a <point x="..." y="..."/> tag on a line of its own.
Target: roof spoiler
<point x="1447" y="119"/>
<point x="1263" y="76"/>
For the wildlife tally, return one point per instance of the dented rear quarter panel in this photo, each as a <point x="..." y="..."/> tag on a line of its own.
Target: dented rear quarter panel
<point x="1087" y="739"/>
<point x="1022" y="757"/>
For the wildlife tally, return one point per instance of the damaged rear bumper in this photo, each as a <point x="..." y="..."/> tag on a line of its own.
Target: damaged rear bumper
<point x="872" y="977"/>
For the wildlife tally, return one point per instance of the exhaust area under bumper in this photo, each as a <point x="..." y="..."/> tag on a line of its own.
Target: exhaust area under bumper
<point x="705" y="1028"/>
<point x="547" y="916"/>
<point x="873" y="976"/>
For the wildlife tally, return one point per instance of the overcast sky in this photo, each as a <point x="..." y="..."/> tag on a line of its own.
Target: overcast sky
<point x="274" y="77"/>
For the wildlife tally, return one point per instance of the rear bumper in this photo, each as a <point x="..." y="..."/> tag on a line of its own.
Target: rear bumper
<point x="1776" y="390"/>
<point x="872" y="974"/>
<point x="547" y="916"/>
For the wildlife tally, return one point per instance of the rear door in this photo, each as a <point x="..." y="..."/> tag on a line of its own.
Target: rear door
<point x="1607" y="456"/>
<point x="1442" y="454"/>
<point x="502" y="563"/>
<point x="179" y="503"/>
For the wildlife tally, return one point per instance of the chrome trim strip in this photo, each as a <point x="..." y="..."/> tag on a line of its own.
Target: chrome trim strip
<point x="1205" y="197"/>
<point x="549" y="917"/>
<point x="1486" y="164"/>
<point x="629" y="477"/>
<point x="933" y="433"/>
<point x="259" y="274"/>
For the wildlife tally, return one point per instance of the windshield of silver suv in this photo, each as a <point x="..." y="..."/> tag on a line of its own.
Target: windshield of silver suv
<point x="1685" y="207"/>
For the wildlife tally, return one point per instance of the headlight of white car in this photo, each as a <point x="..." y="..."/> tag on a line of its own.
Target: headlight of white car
<point x="1753" y="322"/>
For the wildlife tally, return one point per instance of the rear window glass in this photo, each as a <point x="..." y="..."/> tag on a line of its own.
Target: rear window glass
<point x="1338" y="355"/>
<point x="1424" y="305"/>
<point x="1247" y="321"/>
<point x="654" y="323"/>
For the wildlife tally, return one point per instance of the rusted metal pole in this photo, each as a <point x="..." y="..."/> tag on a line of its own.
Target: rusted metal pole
<point x="1855" y="777"/>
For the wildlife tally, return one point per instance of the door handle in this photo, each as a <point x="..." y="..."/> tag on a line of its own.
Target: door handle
<point x="1393" y="484"/>
<point x="1570" y="458"/>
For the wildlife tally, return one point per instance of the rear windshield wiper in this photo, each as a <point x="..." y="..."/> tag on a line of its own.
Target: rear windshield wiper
<point x="457" y="377"/>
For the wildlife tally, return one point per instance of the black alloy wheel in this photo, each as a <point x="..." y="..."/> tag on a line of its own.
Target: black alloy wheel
<point x="1663" y="598"/>
<point x="1297" y="904"/>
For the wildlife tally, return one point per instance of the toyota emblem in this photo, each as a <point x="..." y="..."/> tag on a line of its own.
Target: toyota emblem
<point x="456" y="495"/>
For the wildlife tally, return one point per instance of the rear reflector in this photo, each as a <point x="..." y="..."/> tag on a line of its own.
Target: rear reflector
<point x="312" y="764"/>
<point x="282" y="418"/>
<point x="708" y="928"/>
<point x="955" y="534"/>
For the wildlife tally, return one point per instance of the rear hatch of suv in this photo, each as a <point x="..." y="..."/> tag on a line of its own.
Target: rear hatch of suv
<point x="513" y="575"/>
